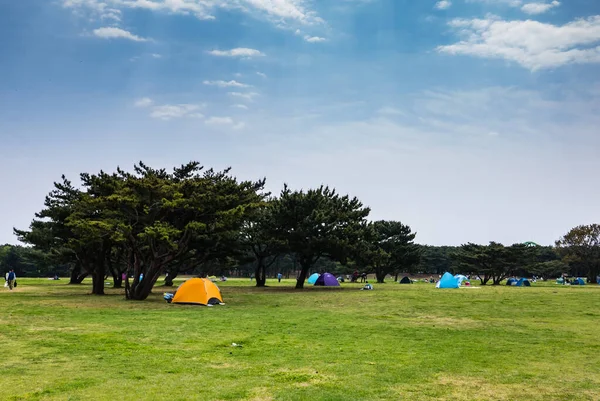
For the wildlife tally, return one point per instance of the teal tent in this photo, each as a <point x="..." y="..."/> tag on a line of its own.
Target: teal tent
<point x="313" y="278"/>
<point x="511" y="281"/>
<point x="523" y="282"/>
<point x="578" y="281"/>
<point x="448" y="281"/>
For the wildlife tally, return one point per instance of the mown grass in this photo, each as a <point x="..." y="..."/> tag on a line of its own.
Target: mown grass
<point x="398" y="342"/>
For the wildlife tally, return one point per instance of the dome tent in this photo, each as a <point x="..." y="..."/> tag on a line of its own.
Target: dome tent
<point x="511" y="281"/>
<point x="327" y="280"/>
<point x="313" y="278"/>
<point x="447" y="281"/>
<point x="198" y="291"/>
<point x="405" y="280"/>
<point x="578" y="281"/>
<point x="523" y="282"/>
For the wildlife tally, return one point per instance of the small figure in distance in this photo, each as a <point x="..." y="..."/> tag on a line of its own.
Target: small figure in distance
<point x="11" y="279"/>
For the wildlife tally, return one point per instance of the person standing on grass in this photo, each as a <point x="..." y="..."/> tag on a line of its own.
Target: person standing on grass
<point x="279" y="276"/>
<point x="11" y="279"/>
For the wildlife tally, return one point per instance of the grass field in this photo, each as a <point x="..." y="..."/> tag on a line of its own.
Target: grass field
<point x="398" y="342"/>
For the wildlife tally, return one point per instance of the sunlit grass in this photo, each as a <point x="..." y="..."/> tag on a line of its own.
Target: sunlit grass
<point x="409" y="342"/>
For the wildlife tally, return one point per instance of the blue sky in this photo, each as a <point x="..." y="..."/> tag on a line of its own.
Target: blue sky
<point x="470" y="120"/>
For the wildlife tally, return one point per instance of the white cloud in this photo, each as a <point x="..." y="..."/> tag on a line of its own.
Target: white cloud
<point x="260" y="74"/>
<point x="224" y="121"/>
<point x="170" y="111"/>
<point x="279" y="11"/>
<point x="390" y="111"/>
<point x="156" y="55"/>
<point x="240" y="106"/>
<point x="237" y="52"/>
<point x="539" y="8"/>
<point x="93" y="8"/>
<point x="249" y="96"/>
<point x="219" y="121"/>
<point x="532" y="44"/>
<point x="443" y="4"/>
<point x="117" y="33"/>
<point x="226" y="84"/>
<point x="143" y="102"/>
<point x="314" y="39"/>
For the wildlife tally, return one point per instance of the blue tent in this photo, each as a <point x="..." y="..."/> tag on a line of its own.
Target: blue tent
<point x="448" y="281"/>
<point x="523" y="282"/>
<point x="313" y="278"/>
<point x="578" y="281"/>
<point x="511" y="281"/>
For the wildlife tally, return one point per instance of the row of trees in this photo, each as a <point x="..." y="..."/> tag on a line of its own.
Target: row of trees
<point x="150" y="222"/>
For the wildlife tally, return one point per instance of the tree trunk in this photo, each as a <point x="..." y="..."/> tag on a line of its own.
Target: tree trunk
<point x="302" y="277"/>
<point x="259" y="273"/>
<point x="77" y="276"/>
<point x="380" y="275"/>
<point x="169" y="279"/>
<point x="117" y="280"/>
<point x="396" y="277"/>
<point x="98" y="283"/>
<point x="140" y="290"/>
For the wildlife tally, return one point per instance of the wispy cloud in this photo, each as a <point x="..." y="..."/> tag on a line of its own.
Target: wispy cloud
<point x="240" y="106"/>
<point x="539" y="8"/>
<point x="278" y="11"/>
<point x="532" y="44"/>
<point x="226" y="84"/>
<point x="260" y="74"/>
<point x="443" y="4"/>
<point x="390" y="111"/>
<point x="143" y="102"/>
<point x="249" y="96"/>
<point x="314" y="39"/>
<point x="156" y="55"/>
<point x="224" y="121"/>
<point x="171" y="111"/>
<point x="237" y="52"/>
<point x="117" y="33"/>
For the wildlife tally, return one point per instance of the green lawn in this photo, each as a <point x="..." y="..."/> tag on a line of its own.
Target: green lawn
<point x="398" y="342"/>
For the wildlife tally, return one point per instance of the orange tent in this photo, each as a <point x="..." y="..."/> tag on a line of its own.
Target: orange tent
<point x="198" y="291"/>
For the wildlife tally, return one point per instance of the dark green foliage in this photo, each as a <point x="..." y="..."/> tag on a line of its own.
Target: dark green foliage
<point x="494" y="261"/>
<point x="387" y="247"/>
<point x="317" y="223"/>
<point x="437" y="259"/>
<point x="580" y="248"/>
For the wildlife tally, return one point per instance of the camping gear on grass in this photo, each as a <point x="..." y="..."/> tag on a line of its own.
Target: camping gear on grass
<point x="405" y="280"/>
<point x="447" y="281"/>
<point x="313" y="278"/>
<point x="577" y="281"/>
<point x="523" y="282"/>
<point x="511" y="281"/>
<point x="327" y="280"/>
<point x="198" y="291"/>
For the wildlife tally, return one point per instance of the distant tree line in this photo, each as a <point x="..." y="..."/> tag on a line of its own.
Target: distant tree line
<point x="138" y="226"/>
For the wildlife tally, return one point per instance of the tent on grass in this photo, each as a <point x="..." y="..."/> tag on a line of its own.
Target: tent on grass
<point x="523" y="282"/>
<point x="327" y="280"/>
<point x="460" y="278"/>
<point x="560" y="280"/>
<point x="447" y="281"/>
<point x="313" y="278"/>
<point x="578" y="281"/>
<point x="511" y="281"/>
<point x="405" y="280"/>
<point x="198" y="291"/>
